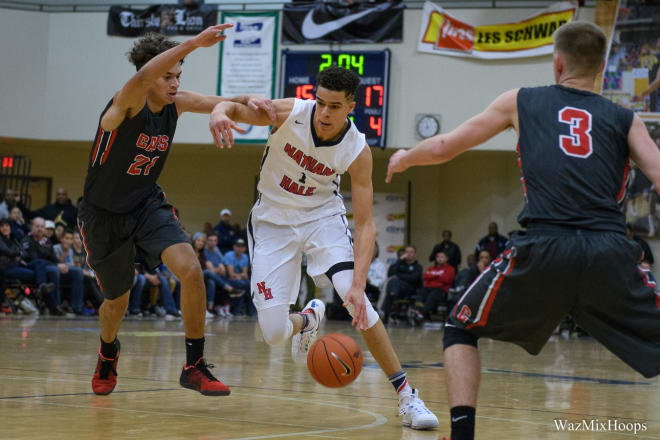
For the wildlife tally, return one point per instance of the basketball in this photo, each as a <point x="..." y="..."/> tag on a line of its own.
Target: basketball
<point x="335" y="360"/>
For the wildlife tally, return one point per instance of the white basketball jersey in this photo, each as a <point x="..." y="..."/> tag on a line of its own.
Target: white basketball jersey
<point x="300" y="174"/>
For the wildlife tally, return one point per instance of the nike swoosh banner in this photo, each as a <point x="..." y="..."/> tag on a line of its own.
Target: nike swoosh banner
<point x="164" y="19"/>
<point x="445" y="35"/>
<point x="323" y="22"/>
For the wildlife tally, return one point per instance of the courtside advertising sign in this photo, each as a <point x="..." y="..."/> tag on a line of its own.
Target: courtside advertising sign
<point x="445" y="35"/>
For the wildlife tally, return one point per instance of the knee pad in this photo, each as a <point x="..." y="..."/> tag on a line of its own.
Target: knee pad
<point x="342" y="281"/>
<point x="455" y="335"/>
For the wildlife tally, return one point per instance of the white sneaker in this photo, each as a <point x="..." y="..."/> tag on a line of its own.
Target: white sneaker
<point x="415" y="414"/>
<point x="209" y="315"/>
<point x="304" y="339"/>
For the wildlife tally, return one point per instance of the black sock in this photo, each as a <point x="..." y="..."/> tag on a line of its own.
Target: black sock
<point x="194" y="350"/>
<point x="462" y="423"/>
<point x="109" y="349"/>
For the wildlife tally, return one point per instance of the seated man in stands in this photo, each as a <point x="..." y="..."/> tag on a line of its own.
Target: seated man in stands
<point x="19" y="228"/>
<point x="217" y="274"/>
<point x="70" y="272"/>
<point x="405" y="278"/>
<point x="236" y="263"/>
<point x="466" y="277"/>
<point x="38" y="251"/>
<point x="226" y="232"/>
<point x="62" y="211"/>
<point x="438" y="279"/>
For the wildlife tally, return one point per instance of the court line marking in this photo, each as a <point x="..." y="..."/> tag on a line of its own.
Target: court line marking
<point x="379" y="418"/>
<point x="370" y="397"/>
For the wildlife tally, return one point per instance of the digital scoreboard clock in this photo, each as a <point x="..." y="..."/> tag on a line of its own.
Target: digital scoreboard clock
<point x="298" y="80"/>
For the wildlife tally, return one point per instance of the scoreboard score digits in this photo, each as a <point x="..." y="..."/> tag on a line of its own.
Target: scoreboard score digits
<point x="299" y="70"/>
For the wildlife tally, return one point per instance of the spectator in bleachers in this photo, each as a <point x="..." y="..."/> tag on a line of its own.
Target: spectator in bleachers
<point x="236" y="262"/>
<point x="405" y="278"/>
<point x="162" y="303"/>
<point x="375" y="277"/>
<point x="438" y="279"/>
<point x="647" y="258"/>
<point x="58" y="233"/>
<point x="18" y="226"/>
<point x="226" y="232"/>
<point x="450" y="249"/>
<point x="49" y="231"/>
<point x="218" y="275"/>
<point x="198" y="244"/>
<point x="494" y="243"/>
<point x="174" y="287"/>
<point x="62" y="211"/>
<point x="11" y="198"/>
<point x="38" y="251"/>
<point x="93" y="294"/>
<point x="135" y="297"/>
<point x="69" y="272"/>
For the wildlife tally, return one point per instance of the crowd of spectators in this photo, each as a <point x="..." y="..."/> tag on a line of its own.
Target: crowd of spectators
<point x="43" y="267"/>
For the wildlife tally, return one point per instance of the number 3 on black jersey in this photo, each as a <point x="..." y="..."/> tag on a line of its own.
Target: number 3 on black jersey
<point x="578" y="144"/>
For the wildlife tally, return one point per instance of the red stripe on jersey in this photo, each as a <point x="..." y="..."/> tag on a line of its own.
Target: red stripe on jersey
<point x="84" y="240"/>
<point x="622" y="192"/>
<point x="107" y="149"/>
<point x="99" y="135"/>
<point x="483" y="320"/>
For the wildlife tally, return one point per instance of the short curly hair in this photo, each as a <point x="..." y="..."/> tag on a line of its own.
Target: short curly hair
<point x="339" y="79"/>
<point x="149" y="46"/>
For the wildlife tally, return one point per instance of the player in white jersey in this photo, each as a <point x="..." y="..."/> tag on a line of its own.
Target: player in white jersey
<point x="299" y="210"/>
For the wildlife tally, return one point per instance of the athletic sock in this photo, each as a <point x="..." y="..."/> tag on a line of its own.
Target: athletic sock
<point x="194" y="350"/>
<point x="462" y="423"/>
<point x="109" y="349"/>
<point x="309" y="320"/>
<point x="400" y="382"/>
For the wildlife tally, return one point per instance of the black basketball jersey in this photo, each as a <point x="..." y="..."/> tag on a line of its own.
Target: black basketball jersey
<point x="125" y="163"/>
<point x="573" y="155"/>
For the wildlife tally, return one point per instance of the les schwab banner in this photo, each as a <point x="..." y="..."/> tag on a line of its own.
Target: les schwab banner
<point x="445" y="35"/>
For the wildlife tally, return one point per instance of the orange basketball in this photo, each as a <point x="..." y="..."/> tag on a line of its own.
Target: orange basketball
<point x="335" y="360"/>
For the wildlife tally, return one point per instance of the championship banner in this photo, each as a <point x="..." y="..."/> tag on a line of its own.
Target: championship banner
<point x="247" y="62"/>
<point x="322" y="22"/>
<point x="390" y="219"/>
<point x="164" y="19"/>
<point x="443" y="34"/>
<point x="632" y="69"/>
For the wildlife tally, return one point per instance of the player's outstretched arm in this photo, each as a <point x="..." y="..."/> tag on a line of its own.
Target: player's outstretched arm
<point x="197" y="103"/>
<point x="644" y="151"/>
<point x="365" y="233"/>
<point x="501" y="114"/>
<point x="226" y="114"/>
<point x="132" y="96"/>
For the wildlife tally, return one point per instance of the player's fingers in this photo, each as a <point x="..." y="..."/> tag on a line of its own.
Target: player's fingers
<point x="230" y="137"/>
<point x="388" y="177"/>
<point x="217" y="138"/>
<point x="238" y="128"/>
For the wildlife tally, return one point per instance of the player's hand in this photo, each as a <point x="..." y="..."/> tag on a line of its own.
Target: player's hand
<point x="396" y="164"/>
<point x="256" y="102"/>
<point x="355" y="304"/>
<point x="211" y="35"/>
<point x="221" y="128"/>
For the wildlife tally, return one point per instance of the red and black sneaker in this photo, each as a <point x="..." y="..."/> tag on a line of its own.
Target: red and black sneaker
<point x="198" y="377"/>
<point x="105" y="376"/>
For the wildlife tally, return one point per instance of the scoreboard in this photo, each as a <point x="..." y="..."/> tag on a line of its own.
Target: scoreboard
<point x="298" y="79"/>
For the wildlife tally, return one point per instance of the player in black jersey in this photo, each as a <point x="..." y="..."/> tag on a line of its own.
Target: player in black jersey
<point x="124" y="213"/>
<point x="574" y="149"/>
